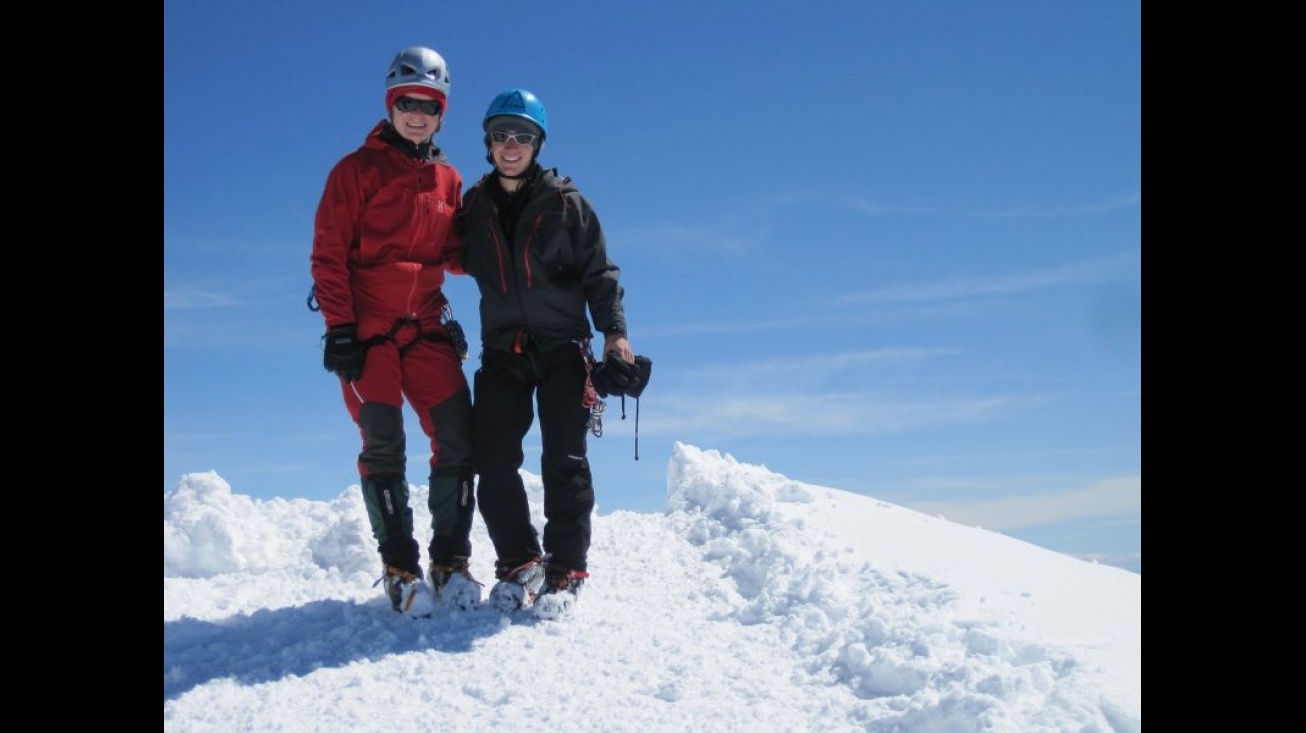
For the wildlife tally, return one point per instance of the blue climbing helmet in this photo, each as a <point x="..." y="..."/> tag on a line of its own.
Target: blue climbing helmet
<point x="518" y="103"/>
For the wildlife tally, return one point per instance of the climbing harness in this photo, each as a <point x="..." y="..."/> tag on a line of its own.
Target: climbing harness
<point x="590" y="397"/>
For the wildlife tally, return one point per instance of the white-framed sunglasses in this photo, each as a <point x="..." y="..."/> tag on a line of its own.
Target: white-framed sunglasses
<point x="521" y="138"/>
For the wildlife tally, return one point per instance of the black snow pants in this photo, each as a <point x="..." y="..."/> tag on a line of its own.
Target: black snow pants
<point x="506" y="386"/>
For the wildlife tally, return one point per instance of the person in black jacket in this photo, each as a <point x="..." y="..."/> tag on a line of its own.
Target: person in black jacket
<point x="536" y="249"/>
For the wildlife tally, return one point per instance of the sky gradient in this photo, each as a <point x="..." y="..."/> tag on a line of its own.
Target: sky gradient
<point x="895" y="248"/>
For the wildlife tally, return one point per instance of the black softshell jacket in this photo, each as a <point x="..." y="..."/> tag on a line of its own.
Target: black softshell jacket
<point x="542" y="279"/>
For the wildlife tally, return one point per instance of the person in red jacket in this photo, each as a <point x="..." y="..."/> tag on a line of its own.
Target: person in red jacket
<point x="381" y="247"/>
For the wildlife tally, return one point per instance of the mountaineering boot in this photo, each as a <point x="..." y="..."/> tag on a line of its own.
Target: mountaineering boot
<point x="518" y="584"/>
<point x="454" y="585"/>
<point x="385" y="496"/>
<point x="557" y="599"/>
<point x="408" y="593"/>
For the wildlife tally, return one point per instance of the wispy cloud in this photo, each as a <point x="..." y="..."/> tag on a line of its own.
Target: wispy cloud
<point x="1078" y="273"/>
<point x="191" y="298"/>
<point x="708" y="327"/>
<point x="807" y="368"/>
<point x="1111" y="497"/>
<point x="730" y="238"/>
<point x="1129" y="560"/>
<point x="947" y="297"/>
<point x="824" y="321"/>
<point x="818" y="394"/>
<point x="1126" y="201"/>
<point x="839" y="414"/>
<point x="1108" y="205"/>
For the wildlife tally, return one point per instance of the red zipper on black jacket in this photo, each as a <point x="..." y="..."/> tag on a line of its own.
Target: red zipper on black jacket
<point x="498" y="253"/>
<point x="526" y="251"/>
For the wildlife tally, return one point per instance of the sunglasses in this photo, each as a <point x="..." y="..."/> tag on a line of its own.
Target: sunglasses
<point x="521" y="138"/>
<point x="412" y="104"/>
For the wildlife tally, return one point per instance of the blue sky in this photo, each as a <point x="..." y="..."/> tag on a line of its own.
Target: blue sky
<point x="894" y="248"/>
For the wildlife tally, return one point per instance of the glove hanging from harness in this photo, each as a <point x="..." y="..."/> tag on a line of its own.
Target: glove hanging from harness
<point x="616" y="376"/>
<point x="455" y="330"/>
<point x="342" y="353"/>
<point x="613" y="376"/>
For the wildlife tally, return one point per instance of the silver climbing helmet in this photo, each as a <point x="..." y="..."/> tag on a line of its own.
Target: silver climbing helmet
<point x="417" y="69"/>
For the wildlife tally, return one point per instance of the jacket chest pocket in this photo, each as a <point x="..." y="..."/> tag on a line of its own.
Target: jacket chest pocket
<point x="553" y="249"/>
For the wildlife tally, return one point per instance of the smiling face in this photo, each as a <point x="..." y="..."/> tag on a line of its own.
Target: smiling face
<point x="512" y="158"/>
<point x="513" y="144"/>
<point x="416" y="125"/>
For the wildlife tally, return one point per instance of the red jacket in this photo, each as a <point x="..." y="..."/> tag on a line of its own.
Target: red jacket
<point x="383" y="234"/>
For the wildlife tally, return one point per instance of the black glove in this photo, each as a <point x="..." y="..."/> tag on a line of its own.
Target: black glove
<point x="616" y="376"/>
<point x="343" y="353"/>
